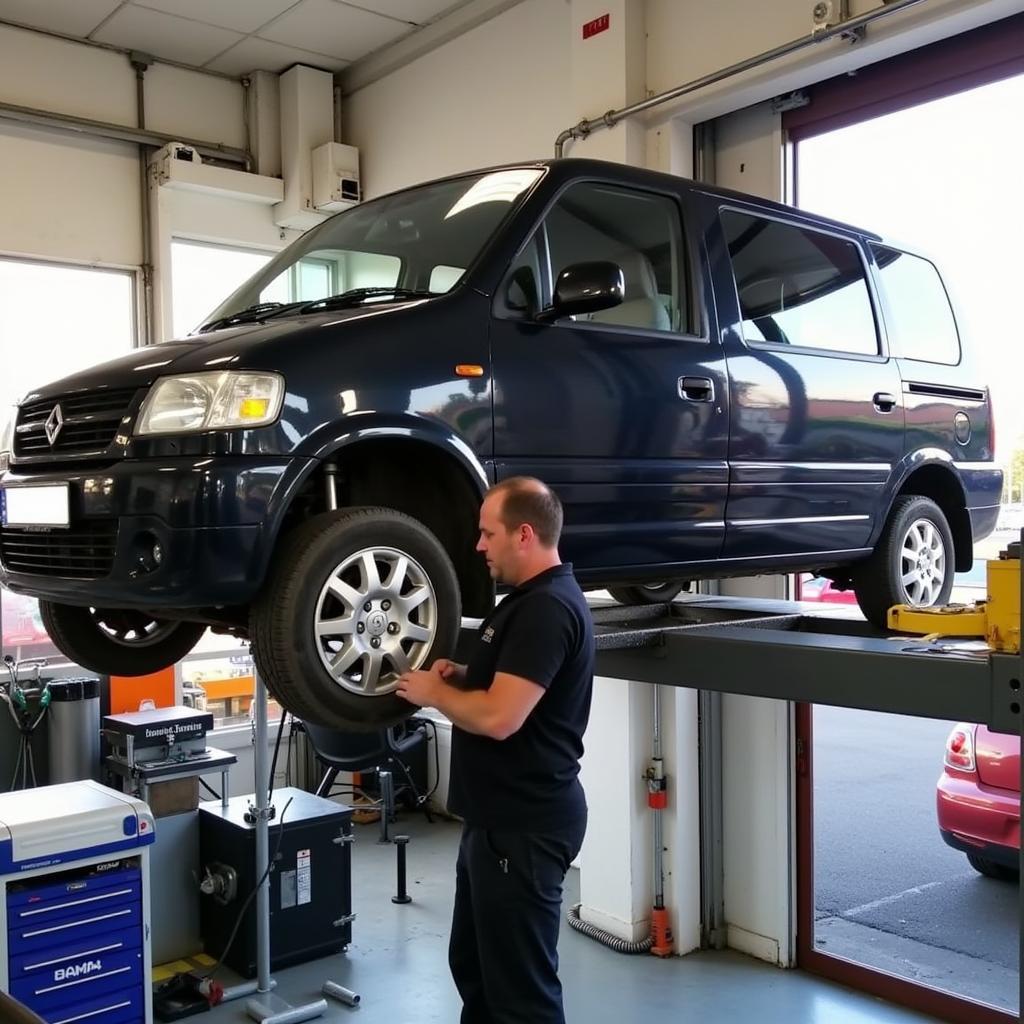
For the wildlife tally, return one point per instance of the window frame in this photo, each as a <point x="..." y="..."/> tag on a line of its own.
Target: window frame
<point x="889" y="312"/>
<point x="688" y="275"/>
<point x="882" y="353"/>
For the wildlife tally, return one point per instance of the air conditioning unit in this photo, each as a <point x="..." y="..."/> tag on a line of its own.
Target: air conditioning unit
<point x="335" y="177"/>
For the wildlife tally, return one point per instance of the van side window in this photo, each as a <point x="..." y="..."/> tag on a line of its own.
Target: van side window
<point x="920" y="320"/>
<point x="639" y="231"/>
<point x="799" y="287"/>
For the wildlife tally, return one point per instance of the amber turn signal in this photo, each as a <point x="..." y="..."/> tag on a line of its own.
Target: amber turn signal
<point x="469" y="370"/>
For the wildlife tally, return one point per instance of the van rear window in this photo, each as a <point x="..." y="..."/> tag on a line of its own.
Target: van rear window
<point x="920" y="320"/>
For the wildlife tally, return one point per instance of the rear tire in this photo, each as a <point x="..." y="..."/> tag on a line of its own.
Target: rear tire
<point x="990" y="869"/>
<point x="912" y="564"/>
<point x="118" y="642"/>
<point x="651" y="593"/>
<point x="325" y="656"/>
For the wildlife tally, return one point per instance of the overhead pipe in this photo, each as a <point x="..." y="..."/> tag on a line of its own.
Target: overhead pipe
<point x="851" y="26"/>
<point x="121" y="133"/>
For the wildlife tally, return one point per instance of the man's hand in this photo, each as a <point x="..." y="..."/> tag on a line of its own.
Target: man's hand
<point x="451" y="671"/>
<point x="421" y="688"/>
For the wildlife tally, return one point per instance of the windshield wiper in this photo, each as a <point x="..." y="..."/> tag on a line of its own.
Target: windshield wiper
<point x="249" y="315"/>
<point x="355" y="296"/>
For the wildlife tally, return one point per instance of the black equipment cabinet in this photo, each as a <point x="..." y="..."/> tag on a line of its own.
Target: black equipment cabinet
<point x="310" y="879"/>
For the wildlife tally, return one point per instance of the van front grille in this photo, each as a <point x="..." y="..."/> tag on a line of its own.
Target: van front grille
<point x="83" y="552"/>
<point x="87" y="422"/>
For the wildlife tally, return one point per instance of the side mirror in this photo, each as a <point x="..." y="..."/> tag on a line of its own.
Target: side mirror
<point x="586" y="288"/>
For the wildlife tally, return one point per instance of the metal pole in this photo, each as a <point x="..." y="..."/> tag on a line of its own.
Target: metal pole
<point x="659" y="866"/>
<point x="613" y="117"/>
<point x="709" y="747"/>
<point x="267" y="1007"/>
<point x="262" y="809"/>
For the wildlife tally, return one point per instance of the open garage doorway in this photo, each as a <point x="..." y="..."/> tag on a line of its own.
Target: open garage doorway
<point x="887" y="903"/>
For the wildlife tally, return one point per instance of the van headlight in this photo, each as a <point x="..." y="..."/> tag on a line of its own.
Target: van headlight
<point x="7" y="439"/>
<point x="224" y="400"/>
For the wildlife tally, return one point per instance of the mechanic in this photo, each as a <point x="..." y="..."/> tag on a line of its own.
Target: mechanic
<point x="519" y="709"/>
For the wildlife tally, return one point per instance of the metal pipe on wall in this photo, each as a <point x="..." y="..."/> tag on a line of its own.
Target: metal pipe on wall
<point x="608" y="120"/>
<point x="147" y="327"/>
<point x="121" y="133"/>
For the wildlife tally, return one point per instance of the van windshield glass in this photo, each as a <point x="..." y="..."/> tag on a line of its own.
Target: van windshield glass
<point x="420" y="241"/>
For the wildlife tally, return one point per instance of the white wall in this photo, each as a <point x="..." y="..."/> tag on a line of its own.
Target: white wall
<point x="497" y="94"/>
<point x="66" y="196"/>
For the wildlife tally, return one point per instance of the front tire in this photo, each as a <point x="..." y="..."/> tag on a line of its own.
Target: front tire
<point x="913" y="563"/>
<point x="118" y="642"/>
<point x="353" y="599"/>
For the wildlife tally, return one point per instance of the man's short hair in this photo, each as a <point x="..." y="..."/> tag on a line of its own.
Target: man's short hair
<point x="525" y="499"/>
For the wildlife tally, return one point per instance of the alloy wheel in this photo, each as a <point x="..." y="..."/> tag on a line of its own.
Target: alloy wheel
<point x="375" y="618"/>
<point x="923" y="564"/>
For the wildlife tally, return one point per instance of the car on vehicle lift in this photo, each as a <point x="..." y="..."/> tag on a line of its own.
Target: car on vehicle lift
<point x="978" y="799"/>
<point x="714" y="384"/>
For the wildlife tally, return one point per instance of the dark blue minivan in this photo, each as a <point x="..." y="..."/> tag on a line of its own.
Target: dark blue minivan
<point x="715" y="385"/>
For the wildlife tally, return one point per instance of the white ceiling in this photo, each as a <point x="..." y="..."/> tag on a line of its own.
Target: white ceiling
<point x="234" y="37"/>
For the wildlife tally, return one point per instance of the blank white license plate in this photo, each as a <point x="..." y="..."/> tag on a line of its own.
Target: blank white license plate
<point x="34" y="506"/>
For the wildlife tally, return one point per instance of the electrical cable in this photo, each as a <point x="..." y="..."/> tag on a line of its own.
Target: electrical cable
<point x="255" y="889"/>
<point x="277" y="748"/>
<point x="210" y="789"/>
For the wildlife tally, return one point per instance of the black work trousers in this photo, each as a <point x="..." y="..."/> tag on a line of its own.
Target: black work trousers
<point x="504" y="944"/>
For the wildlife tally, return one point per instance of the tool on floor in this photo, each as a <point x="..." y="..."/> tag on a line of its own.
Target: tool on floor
<point x="339" y="992"/>
<point x="401" y="896"/>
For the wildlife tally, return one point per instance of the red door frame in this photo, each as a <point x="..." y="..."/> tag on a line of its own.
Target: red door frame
<point x="943" y="1005"/>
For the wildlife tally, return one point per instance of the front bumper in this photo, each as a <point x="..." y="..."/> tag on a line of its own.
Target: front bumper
<point x="979" y="819"/>
<point x="215" y="520"/>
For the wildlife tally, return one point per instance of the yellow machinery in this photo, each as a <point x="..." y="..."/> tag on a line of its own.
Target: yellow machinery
<point x="996" y="619"/>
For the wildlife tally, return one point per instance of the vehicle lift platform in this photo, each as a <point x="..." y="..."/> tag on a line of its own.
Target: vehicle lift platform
<point x="804" y="652"/>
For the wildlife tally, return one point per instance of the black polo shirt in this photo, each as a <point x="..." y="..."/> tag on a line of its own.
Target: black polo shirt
<point x="541" y="631"/>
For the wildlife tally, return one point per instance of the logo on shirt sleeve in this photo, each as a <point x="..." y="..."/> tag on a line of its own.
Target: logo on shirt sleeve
<point x="488" y="635"/>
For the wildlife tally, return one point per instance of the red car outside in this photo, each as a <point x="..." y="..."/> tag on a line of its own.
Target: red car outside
<point x="978" y="799"/>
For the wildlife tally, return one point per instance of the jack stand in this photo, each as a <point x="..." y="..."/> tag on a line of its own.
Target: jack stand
<point x="401" y="896"/>
<point x="266" y="1007"/>
<point x="387" y="804"/>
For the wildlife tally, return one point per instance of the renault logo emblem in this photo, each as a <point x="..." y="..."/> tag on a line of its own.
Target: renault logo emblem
<point x="54" y="423"/>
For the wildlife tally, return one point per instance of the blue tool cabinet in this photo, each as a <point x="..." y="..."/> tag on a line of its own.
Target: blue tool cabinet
<point x="74" y="939"/>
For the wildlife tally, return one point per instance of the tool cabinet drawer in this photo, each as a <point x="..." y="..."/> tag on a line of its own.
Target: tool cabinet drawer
<point x="82" y="979"/>
<point x="125" y="1006"/>
<point x="31" y="936"/>
<point x="83" y="950"/>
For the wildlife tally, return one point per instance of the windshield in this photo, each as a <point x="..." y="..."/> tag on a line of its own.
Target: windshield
<point x="421" y="241"/>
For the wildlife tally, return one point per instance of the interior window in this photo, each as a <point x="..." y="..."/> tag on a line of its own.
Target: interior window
<point x="326" y="272"/>
<point x="799" y="287"/>
<point x="920" y="320"/>
<point x="202" y="274"/>
<point x="638" y="231"/>
<point x="443" y="279"/>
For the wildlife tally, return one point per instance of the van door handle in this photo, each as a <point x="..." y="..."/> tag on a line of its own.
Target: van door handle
<point x="697" y="389"/>
<point x="883" y="401"/>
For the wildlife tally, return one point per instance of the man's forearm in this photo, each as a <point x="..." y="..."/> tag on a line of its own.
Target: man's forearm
<point x="474" y="711"/>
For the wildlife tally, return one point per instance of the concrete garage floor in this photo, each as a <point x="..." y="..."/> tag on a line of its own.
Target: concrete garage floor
<point x="398" y="961"/>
